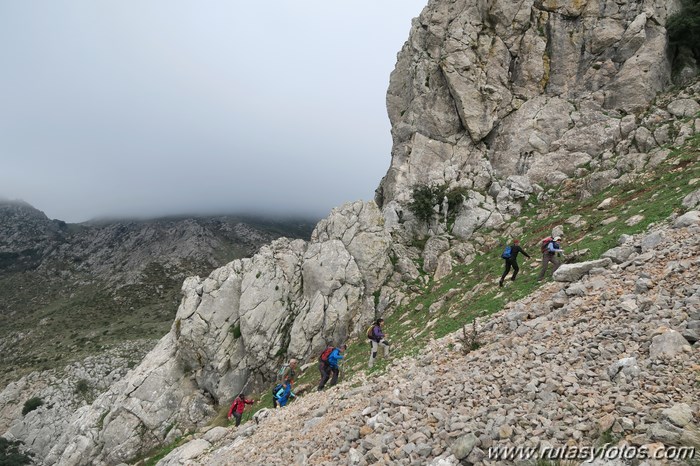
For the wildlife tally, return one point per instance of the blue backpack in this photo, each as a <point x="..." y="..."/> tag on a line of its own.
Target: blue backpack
<point x="506" y="253"/>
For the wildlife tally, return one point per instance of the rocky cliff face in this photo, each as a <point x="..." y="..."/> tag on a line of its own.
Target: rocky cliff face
<point x="232" y="330"/>
<point x="505" y="99"/>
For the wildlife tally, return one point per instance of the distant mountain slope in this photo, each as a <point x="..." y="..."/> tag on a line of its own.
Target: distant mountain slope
<point x="67" y="289"/>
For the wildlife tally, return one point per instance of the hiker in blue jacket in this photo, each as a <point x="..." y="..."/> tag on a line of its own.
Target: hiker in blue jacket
<point x="510" y="255"/>
<point x="282" y="393"/>
<point x="329" y="364"/>
<point x="287" y="373"/>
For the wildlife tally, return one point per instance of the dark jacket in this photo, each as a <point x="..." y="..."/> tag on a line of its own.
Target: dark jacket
<point x="514" y="250"/>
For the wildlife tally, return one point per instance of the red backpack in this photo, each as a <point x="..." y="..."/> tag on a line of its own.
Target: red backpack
<point x="327" y="352"/>
<point x="545" y="243"/>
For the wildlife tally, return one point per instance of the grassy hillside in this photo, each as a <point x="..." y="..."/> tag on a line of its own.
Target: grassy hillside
<point x="472" y="291"/>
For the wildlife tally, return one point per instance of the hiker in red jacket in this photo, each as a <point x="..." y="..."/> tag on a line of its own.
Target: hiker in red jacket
<point x="237" y="408"/>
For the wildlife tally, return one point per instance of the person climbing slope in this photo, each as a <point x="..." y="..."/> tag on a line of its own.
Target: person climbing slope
<point x="328" y="364"/>
<point x="510" y="255"/>
<point x="282" y="393"/>
<point x="237" y="408"/>
<point x="289" y="371"/>
<point x="550" y="250"/>
<point x="377" y="336"/>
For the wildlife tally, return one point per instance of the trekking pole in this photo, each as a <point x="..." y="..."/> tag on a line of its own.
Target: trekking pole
<point x="244" y="386"/>
<point x="241" y="391"/>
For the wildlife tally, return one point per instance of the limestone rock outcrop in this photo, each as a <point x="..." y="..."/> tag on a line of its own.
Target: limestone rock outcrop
<point x="232" y="330"/>
<point x="573" y="272"/>
<point x="62" y="394"/>
<point x="546" y="91"/>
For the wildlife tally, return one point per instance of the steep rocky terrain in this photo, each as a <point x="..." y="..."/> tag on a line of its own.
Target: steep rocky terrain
<point x="587" y="360"/>
<point x="231" y="331"/>
<point x="509" y="120"/>
<point x="74" y="288"/>
<point x="498" y="100"/>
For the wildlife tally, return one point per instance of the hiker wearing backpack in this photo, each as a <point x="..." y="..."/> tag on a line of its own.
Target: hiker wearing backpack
<point x="281" y="394"/>
<point x="237" y="408"/>
<point x="288" y="372"/>
<point x="377" y="337"/>
<point x="550" y="249"/>
<point x="510" y="254"/>
<point x="328" y="364"/>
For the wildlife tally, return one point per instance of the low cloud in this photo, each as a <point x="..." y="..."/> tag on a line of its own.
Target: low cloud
<point x="176" y="107"/>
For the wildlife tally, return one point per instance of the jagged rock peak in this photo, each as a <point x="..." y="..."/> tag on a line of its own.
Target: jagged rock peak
<point x="23" y="227"/>
<point x="484" y="90"/>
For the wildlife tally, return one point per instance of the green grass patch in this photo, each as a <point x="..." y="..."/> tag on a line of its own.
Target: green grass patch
<point x="235" y="330"/>
<point x="11" y="453"/>
<point x="155" y="455"/>
<point x="471" y="291"/>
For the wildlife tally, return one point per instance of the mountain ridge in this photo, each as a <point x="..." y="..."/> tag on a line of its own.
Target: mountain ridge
<point x="111" y="268"/>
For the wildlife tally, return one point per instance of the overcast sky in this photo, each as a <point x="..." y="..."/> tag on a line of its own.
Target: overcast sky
<point x="117" y="108"/>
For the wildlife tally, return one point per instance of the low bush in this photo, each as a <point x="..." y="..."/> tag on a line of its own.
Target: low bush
<point x="684" y="27"/>
<point x="11" y="453"/>
<point x="31" y="404"/>
<point x="425" y="197"/>
<point x="82" y="387"/>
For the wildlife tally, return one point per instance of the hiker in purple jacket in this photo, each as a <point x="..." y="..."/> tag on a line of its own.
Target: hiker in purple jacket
<point x="377" y="337"/>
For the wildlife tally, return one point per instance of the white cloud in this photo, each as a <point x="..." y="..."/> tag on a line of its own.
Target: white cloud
<point x="116" y="108"/>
